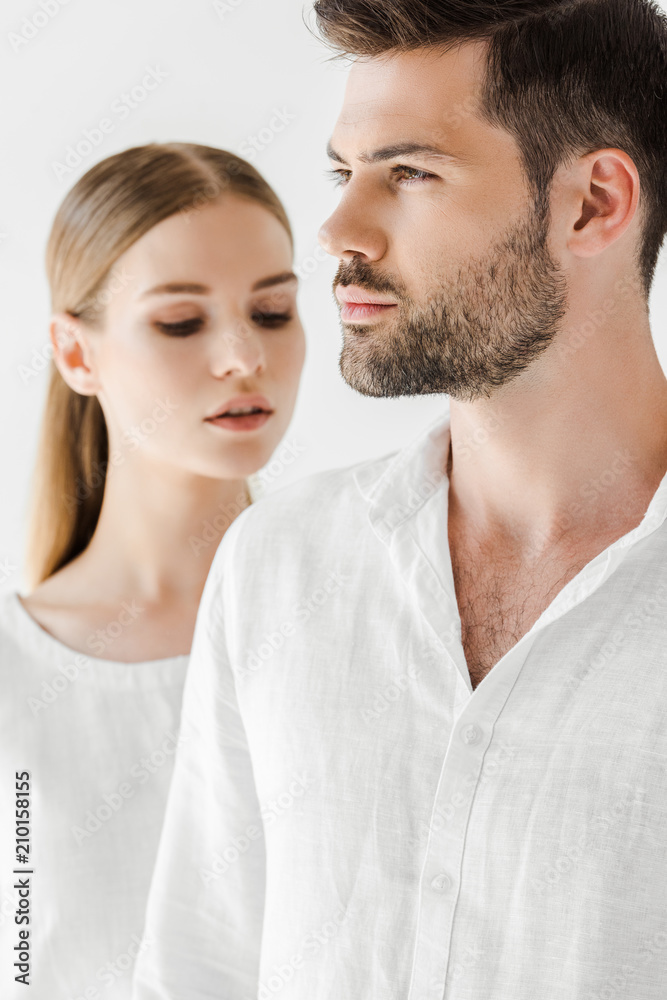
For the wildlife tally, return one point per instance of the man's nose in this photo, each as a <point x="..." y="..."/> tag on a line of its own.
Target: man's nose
<point x="354" y="229"/>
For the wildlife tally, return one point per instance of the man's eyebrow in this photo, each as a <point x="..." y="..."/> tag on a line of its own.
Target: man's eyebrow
<point x="394" y="151"/>
<point x="192" y="288"/>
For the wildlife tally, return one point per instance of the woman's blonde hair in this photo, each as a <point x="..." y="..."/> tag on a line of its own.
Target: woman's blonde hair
<point x="107" y="210"/>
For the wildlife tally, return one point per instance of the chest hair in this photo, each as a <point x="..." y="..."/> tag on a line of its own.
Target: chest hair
<point x="500" y="599"/>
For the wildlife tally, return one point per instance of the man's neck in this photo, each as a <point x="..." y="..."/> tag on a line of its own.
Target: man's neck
<point x="566" y="451"/>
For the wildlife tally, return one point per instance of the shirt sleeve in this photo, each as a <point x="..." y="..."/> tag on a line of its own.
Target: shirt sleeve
<point x="205" y="909"/>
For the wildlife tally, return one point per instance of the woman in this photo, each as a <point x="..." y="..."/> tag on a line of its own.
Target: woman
<point x="177" y="357"/>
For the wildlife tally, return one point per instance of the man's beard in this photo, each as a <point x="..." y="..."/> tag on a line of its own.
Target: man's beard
<point x="474" y="334"/>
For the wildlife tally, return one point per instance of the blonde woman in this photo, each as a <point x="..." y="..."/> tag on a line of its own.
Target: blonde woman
<point x="177" y="356"/>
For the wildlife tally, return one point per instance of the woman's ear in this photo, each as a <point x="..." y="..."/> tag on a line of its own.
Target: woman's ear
<point x="73" y="354"/>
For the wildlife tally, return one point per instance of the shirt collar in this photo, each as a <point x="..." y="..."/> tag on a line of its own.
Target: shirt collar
<point x="399" y="483"/>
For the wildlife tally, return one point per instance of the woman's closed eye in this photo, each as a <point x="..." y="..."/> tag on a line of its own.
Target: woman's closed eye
<point x="271" y="319"/>
<point x="183" y="328"/>
<point x="186" y="327"/>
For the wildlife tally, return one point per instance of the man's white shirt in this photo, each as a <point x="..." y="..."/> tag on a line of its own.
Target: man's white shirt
<point x="349" y="820"/>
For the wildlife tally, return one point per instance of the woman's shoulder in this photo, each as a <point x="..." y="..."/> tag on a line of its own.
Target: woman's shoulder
<point x="22" y="661"/>
<point x="45" y="628"/>
<point x="24" y="630"/>
<point x="80" y="690"/>
<point x="45" y="617"/>
<point x="11" y="618"/>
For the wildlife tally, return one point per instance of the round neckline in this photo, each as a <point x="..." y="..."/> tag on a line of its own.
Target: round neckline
<point x="46" y="639"/>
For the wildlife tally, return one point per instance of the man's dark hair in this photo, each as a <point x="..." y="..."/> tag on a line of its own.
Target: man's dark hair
<point x="564" y="77"/>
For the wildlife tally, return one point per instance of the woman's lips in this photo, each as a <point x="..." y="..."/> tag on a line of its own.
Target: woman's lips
<point x="353" y="312"/>
<point x="248" y="422"/>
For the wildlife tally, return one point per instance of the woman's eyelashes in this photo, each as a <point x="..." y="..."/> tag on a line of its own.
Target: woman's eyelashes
<point x="183" y="328"/>
<point x="271" y="319"/>
<point x="186" y="327"/>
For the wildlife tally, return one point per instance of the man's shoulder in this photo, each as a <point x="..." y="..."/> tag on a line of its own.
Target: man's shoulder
<point x="331" y="501"/>
<point x="327" y="490"/>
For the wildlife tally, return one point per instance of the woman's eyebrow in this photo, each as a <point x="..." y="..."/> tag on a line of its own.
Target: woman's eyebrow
<point x="174" y="287"/>
<point x="193" y="288"/>
<point x="276" y="279"/>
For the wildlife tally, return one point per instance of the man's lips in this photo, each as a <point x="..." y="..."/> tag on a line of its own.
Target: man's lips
<point x="354" y="312"/>
<point x="357" y="304"/>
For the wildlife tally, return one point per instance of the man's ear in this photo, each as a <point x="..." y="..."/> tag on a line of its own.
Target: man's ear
<point x="72" y="353"/>
<point x="605" y="196"/>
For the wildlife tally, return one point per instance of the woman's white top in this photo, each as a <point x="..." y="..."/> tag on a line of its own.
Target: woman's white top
<point x="97" y="739"/>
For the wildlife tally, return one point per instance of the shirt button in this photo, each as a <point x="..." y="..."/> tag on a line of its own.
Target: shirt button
<point x="470" y="735"/>
<point x="441" y="882"/>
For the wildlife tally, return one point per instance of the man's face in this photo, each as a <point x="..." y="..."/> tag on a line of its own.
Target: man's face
<point x="450" y="242"/>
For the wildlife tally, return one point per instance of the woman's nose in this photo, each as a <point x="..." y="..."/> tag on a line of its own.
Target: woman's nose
<point x="238" y="349"/>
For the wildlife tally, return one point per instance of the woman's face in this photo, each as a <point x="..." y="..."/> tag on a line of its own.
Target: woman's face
<point x="204" y="311"/>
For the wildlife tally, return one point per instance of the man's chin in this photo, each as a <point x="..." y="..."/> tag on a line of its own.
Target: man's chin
<point x="373" y="378"/>
<point x="389" y="381"/>
<point x="363" y="377"/>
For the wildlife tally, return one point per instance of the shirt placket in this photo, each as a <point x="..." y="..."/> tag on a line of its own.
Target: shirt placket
<point x="420" y="552"/>
<point x="471" y="747"/>
<point x="430" y="582"/>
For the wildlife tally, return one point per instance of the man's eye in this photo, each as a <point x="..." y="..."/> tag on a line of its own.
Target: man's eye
<point x="415" y="175"/>
<point x="181" y="329"/>
<point x="410" y="175"/>
<point x="337" y="176"/>
<point x="267" y="319"/>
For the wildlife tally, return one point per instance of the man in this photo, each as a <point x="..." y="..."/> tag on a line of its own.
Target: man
<point x="426" y="719"/>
